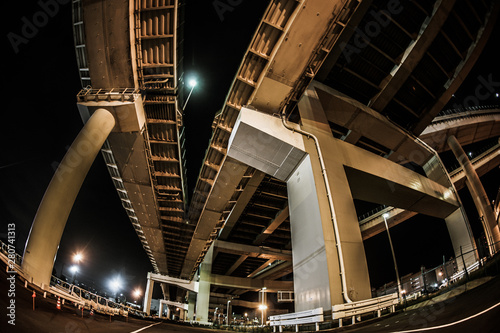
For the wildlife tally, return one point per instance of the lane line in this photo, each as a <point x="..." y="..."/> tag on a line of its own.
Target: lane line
<point x="450" y="324"/>
<point x="144" y="328"/>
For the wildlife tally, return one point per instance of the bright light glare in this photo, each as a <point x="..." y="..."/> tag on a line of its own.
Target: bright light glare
<point x="262" y="307"/>
<point x="77" y="257"/>
<point x="115" y="284"/>
<point x="192" y="83"/>
<point x="386" y="215"/>
<point x="137" y="292"/>
<point x="73" y="269"/>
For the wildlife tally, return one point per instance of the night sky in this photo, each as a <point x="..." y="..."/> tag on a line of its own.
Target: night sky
<point x="40" y="121"/>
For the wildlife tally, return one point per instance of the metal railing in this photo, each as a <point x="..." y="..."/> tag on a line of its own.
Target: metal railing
<point x="73" y="292"/>
<point x="116" y="94"/>
<point x="356" y="309"/>
<point x="449" y="112"/>
<point x="314" y="316"/>
<point x="444" y="277"/>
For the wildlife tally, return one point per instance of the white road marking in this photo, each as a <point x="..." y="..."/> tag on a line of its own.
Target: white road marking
<point x="450" y="324"/>
<point x="144" y="328"/>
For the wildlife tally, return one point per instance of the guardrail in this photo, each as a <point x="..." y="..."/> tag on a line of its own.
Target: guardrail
<point x="314" y="316"/>
<point x="356" y="309"/>
<point x="68" y="291"/>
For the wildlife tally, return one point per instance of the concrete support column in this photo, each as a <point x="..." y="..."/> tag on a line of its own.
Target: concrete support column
<point x="326" y="239"/>
<point x="148" y="295"/>
<point x="55" y="207"/>
<point x="182" y="314"/>
<point x="479" y="196"/>
<point x="203" y="300"/>
<point x="191" y="305"/>
<point x="461" y="238"/>
<point x="160" y="309"/>
<point x="165" y="291"/>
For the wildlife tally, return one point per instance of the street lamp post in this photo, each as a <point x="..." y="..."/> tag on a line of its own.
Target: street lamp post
<point x="385" y="216"/>
<point x="262" y="308"/>
<point x="115" y="285"/>
<point x="74" y="270"/>
<point x="227" y="320"/>
<point x="137" y="294"/>
<point x="192" y="83"/>
<point x="77" y="258"/>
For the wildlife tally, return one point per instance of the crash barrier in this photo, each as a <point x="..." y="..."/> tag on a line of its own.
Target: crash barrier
<point x="314" y="316"/>
<point x="356" y="309"/>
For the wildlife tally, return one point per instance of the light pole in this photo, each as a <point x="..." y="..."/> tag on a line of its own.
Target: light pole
<point x="77" y="258"/>
<point x="74" y="270"/>
<point x="192" y="83"/>
<point x="385" y="216"/>
<point x="115" y="285"/>
<point x="227" y="320"/>
<point x="137" y="294"/>
<point x="262" y="308"/>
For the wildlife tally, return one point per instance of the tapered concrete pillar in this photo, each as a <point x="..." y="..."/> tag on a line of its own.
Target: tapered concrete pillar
<point x="329" y="244"/>
<point x="324" y="175"/>
<point x="203" y="299"/>
<point x="148" y="295"/>
<point x="479" y="196"/>
<point x="182" y="314"/>
<point x="461" y="238"/>
<point x="191" y="305"/>
<point x="55" y="207"/>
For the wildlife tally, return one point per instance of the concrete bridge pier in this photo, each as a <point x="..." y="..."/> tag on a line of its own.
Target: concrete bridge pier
<point x="148" y="295"/>
<point x="191" y="305"/>
<point x="324" y="175"/>
<point x="57" y="202"/>
<point x="203" y="299"/>
<point x="479" y="196"/>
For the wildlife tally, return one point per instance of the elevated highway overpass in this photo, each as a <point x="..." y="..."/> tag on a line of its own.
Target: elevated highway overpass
<point x="351" y="81"/>
<point x="372" y="223"/>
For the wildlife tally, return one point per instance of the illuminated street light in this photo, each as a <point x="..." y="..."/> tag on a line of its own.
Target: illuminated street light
<point x="115" y="285"/>
<point x="78" y="258"/>
<point x="262" y="307"/>
<point x="74" y="269"/>
<point x="385" y="216"/>
<point x="192" y="83"/>
<point x="137" y="295"/>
